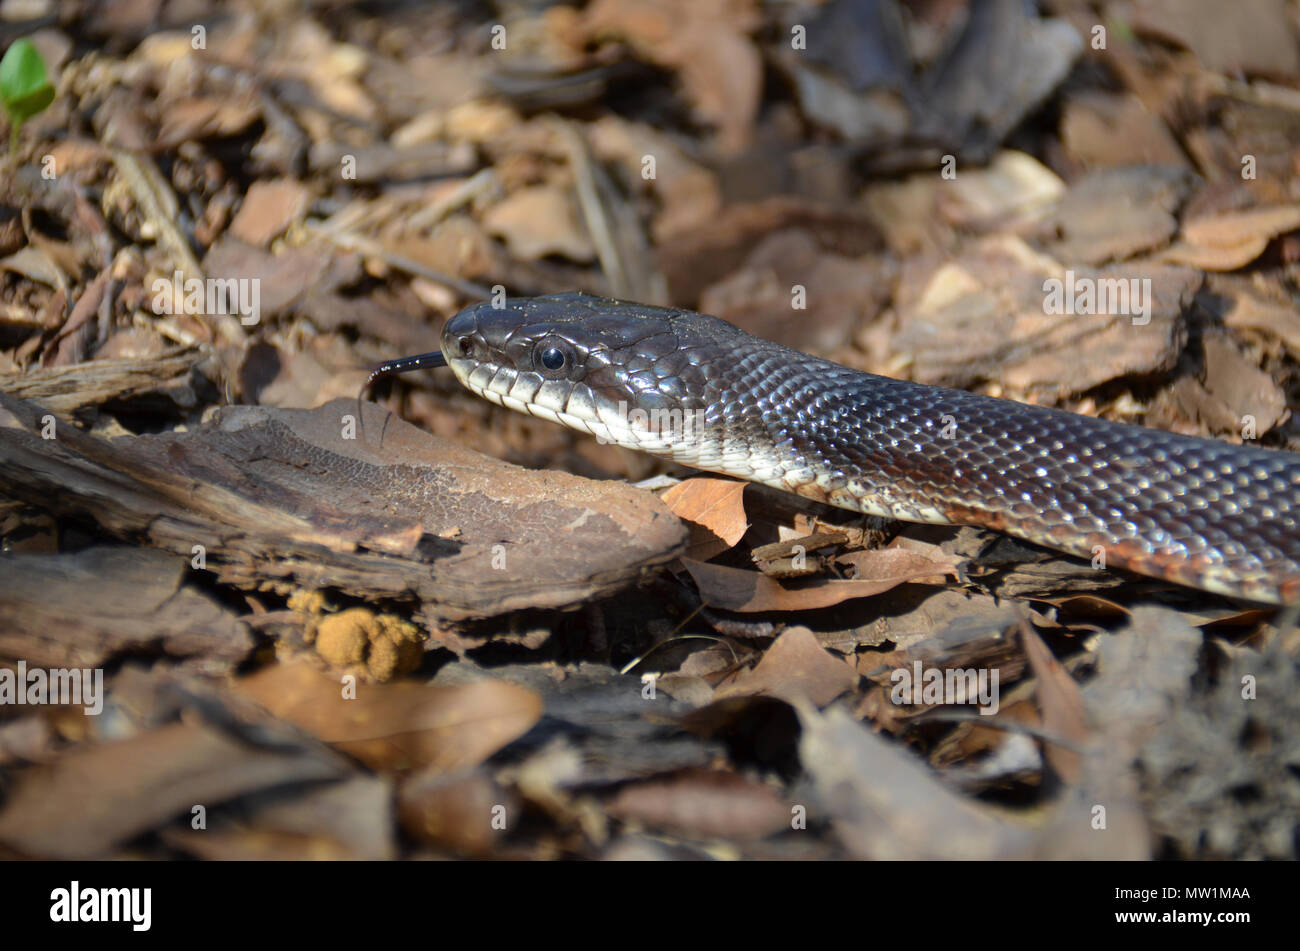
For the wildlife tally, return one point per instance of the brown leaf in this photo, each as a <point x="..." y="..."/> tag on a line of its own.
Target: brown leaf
<point x="1105" y="130"/>
<point x="885" y="804"/>
<point x="714" y="513"/>
<point x="704" y="804"/>
<point x="541" y="220"/>
<point x="33" y="263"/>
<point x="1251" y="36"/>
<point x="93" y="798"/>
<point x="735" y="589"/>
<point x="198" y="118"/>
<point x="73" y="340"/>
<point x="398" y="725"/>
<point x="1143" y="679"/>
<point x="796" y="665"/>
<point x="851" y="291"/>
<point x="285" y="277"/>
<point x="1211" y="258"/>
<point x="688" y="193"/>
<point x="348" y="820"/>
<point x="1260" y="306"/>
<point x="1143" y="673"/>
<point x="1231" y="391"/>
<point x="456" y="811"/>
<point x="705" y="43"/>
<point x="268" y="210"/>
<point x="1060" y="702"/>
<point x="896" y="563"/>
<point x="1230" y="240"/>
<point x="982" y="315"/>
<point x="1114" y="213"/>
<point x="712" y="251"/>
<point x="1230" y="229"/>
<point x="1012" y="185"/>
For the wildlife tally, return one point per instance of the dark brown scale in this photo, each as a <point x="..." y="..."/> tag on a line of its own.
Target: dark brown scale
<point x="1198" y="512"/>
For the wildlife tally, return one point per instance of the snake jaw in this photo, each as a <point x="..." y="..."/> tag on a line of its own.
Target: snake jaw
<point x="1197" y="512"/>
<point x="613" y="385"/>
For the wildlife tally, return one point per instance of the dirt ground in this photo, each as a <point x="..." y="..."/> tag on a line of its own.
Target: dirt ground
<point x="243" y="615"/>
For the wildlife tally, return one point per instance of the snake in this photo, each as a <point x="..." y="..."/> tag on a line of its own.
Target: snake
<point x="1196" y="512"/>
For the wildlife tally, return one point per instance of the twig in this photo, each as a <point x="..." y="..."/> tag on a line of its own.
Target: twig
<point x="371" y="248"/>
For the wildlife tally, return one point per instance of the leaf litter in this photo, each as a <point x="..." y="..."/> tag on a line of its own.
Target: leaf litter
<point x="442" y="629"/>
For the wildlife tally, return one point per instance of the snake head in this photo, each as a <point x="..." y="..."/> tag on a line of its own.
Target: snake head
<point x="627" y="373"/>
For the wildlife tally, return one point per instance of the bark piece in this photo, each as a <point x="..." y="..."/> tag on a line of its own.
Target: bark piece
<point x="80" y="609"/>
<point x="91" y="799"/>
<point x="292" y="498"/>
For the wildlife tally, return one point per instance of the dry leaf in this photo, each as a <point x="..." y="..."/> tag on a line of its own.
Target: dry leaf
<point x="714" y="512"/>
<point x="457" y="811"/>
<point x="398" y="725"/>
<point x="347" y="820"/>
<point x="541" y="220"/>
<point x="895" y="563"/>
<point x="705" y="43"/>
<point x="796" y="665"/>
<point x="1230" y="240"/>
<point x="704" y="804"/>
<point x="1060" y="702"/>
<point x="268" y="210"/>
<point x="735" y="589"/>
<point x="93" y="798"/>
<point x="885" y="804"/>
<point x="1249" y="36"/>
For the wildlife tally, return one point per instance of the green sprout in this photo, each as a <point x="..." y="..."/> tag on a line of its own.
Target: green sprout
<point x="25" y="88"/>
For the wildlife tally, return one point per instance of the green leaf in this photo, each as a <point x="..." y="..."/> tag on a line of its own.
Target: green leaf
<point x="25" y="88"/>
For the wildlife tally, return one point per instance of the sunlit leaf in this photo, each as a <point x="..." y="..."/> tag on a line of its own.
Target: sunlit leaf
<point x="25" y="88"/>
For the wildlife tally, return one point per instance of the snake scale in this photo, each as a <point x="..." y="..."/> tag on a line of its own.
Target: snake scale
<point x="1198" y="512"/>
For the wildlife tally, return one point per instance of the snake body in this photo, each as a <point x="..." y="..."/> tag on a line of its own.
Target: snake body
<point x="1197" y="512"/>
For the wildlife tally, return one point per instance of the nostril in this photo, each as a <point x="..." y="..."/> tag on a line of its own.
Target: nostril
<point x="465" y="345"/>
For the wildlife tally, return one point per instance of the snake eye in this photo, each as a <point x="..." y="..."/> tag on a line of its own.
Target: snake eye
<point x="554" y="356"/>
